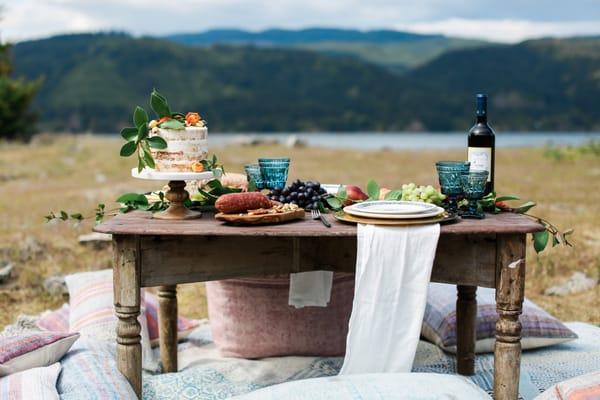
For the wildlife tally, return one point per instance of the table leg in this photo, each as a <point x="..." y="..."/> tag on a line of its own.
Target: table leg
<point x="167" y="320"/>
<point x="466" y="316"/>
<point x="510" y="287"/>
<point x="126" y="282"/>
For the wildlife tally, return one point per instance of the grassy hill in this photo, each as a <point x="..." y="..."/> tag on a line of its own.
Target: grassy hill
<point x="93" y="81"/>
<point x="395" y="50"/>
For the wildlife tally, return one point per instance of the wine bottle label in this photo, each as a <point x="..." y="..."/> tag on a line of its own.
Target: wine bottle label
<point x="481" y="159"/>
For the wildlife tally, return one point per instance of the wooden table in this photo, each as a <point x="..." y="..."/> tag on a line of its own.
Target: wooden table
<point x="150" y="252"/>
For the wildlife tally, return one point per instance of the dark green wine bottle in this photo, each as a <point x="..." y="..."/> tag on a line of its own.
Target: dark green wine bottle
<point x="482" y="143"/>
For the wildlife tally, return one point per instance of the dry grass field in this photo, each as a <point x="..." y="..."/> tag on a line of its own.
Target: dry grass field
<point x="75" y="173"/>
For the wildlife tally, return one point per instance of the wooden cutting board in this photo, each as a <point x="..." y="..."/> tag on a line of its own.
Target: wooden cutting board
<point x="264" y="219"/>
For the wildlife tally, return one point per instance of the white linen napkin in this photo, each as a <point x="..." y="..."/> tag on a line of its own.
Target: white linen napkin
<point x="393" y="268"/>
<point x="312" y="288"/>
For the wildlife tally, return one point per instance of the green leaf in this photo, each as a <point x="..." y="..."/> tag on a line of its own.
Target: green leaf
<point x="159" y="105"/>
<point x="141" y="164"/>
<point x="64" y="216"/>
<point x="394" y="195"/>
<point x="373" y="190"/>
<point x="523" y="208"/>
<point x="132" y="198"/>
<point x="334" y="203"/>
<point x="507" y="198"/>
<point x="252" y="185"/>
<point x="173" y="124"/>
<point x="128" y="149"/>
<point x="341" y="193"/>
<point x="140" y="117"/>
<point x="77" y="216"/>
<point x="142" y="133"/>
<point x="148" y="159"/>
<point x="129" y="134"/>
<point x="540" y="240"/>
<point x="156" y="142"/>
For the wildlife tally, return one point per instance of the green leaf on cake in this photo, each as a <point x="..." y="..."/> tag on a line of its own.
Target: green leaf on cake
<point x="159" y="104"/>
<point x="142" y="133"/>
<point x="173" y="124"/>
<point x="140" y="117"/>
<point x="129" y="133"/>
<point x="156" y="142"/>
<point x="128" y="149"/>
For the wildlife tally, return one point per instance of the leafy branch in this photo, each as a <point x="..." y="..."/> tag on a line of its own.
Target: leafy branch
<point x="495" y="205"/>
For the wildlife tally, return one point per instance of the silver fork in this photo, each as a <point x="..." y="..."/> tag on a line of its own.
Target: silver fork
<point x="316" y="214"/>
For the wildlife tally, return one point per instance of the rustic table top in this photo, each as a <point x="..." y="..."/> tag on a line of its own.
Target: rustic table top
<point x="142" y="223"/>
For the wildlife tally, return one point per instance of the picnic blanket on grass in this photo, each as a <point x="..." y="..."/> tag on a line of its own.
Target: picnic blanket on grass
<point x="205" y="375"/>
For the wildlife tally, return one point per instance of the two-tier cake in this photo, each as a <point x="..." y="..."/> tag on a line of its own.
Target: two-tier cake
<point x="187" y="143"/>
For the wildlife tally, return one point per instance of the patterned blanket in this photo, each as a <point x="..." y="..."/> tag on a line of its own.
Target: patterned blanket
<point x="205" y="375"/>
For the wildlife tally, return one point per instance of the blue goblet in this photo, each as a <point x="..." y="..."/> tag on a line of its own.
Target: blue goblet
<point x="274" y="171"/>
<point x="473" y="185"/>
<point x="253" y="174"/>
<point x="449" y="173"/>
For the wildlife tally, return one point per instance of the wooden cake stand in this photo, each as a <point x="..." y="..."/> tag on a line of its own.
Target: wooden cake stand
<point x="177" y="195"/>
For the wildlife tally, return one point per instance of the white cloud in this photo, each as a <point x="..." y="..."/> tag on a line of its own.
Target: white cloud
<point x="506" y="30"/>
<point x="513" y="19"/>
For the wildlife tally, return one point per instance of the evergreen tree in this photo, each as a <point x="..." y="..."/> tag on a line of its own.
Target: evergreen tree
<point x="16" y="119"/>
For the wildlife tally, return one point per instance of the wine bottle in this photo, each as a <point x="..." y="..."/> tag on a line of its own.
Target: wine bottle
<point x="482" y="143"/>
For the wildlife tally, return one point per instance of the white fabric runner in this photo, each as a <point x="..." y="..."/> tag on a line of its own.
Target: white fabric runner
<point x="312" y="288"/>
<point x="393" y="268"/>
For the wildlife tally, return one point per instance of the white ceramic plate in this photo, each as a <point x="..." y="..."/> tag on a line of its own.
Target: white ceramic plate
<point x="174" y="176"/>
<point x="393" y="207"/>
<point x="427" y="214"/>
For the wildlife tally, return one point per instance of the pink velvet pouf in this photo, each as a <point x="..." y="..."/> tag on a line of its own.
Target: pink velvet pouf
<point x="251" y="318"/>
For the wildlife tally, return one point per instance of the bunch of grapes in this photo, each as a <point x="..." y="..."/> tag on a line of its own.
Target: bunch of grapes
<point x="427" y="194"/>
<point x="308" y="195"/>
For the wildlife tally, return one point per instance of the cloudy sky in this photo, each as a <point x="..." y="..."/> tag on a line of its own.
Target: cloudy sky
<point x="500" y="20"/>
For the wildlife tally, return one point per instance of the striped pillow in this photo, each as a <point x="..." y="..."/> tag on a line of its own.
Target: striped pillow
<point x="58" y="320"/>
<point x="539" y="329"/>
<point x="92" y="362"/>
<point x="92" y="311"/>
<point x="35" y="383"/>
<point x="584" y="387"/>
<point x="31" y="350"/>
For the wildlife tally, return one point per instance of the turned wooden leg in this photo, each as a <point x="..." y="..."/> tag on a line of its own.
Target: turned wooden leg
<point x="510" y="287"/>
<point x="126" y="281"/>
<point x="466" y="316"/>
<point x="167" y="321"/>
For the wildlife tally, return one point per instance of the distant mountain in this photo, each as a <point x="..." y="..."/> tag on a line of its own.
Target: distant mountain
<point x="93" y="81"/>
<point x="286" y="37"/>
<point x="395" y="50"/>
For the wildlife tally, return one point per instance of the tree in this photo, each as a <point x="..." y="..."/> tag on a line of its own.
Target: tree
<point x="17" y="121"/>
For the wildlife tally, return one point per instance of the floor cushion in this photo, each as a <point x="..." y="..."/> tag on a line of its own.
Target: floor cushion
<point x="251" y="318"/>
<point x="58" y="320"/>
<point x="32" y="384"/>
<point x="407" y="386"/>
<point x="539" y="328"/>
<point x="90" y="372"/>
<point x="92" y="311"/>
<point x="584" y="387"/>
<point x="31" y="350"/>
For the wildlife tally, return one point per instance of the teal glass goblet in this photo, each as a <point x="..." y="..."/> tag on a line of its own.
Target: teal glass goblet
<point x="253" y="174"/>
<point x="473" y="185"/>
<point x="274" y="172"/>
<point x="449" y="173"/>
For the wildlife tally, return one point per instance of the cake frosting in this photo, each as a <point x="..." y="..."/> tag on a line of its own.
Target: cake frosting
<point x="185" y="147"/>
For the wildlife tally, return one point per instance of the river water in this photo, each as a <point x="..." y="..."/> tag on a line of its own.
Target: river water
<point x="410" y="141"/>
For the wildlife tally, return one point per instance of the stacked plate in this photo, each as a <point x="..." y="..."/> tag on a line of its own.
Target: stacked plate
<point x="394" y="210"/>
